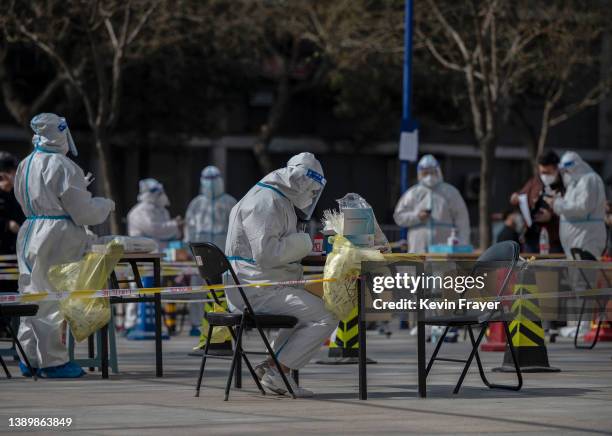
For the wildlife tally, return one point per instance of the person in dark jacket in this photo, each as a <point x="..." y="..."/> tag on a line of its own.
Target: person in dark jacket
<point x="11" y="215"/>
<point x="546" y="184"/>
<point x="513" y="227"/>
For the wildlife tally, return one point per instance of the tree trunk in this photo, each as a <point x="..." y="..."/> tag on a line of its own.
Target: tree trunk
<point x="268" y="130"/>
<point x="532" y="148"/>
<point x="487" y="154"/>
<point x="102" y="147"/>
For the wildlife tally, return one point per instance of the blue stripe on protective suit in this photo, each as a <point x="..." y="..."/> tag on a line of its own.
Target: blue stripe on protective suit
<point x="263" y="185"/>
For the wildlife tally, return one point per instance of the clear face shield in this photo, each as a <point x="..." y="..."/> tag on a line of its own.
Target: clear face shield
<point x="316" y="189"/>
<point x="565" y="169"/>
<point x="63" y="126"/>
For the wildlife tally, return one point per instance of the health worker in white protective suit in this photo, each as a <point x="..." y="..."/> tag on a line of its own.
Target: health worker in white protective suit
<point x="431" y="209"/>
<point x="52" y="191"/>
<point x="582" y="208"/>
<point x="206" y="220"/>
<point x="150" y="218"/>
<point x="263" y="244"/>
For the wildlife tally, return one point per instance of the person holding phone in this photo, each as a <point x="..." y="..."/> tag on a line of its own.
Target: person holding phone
<point x="546" y="184"/>
<point x="432" y="209"/>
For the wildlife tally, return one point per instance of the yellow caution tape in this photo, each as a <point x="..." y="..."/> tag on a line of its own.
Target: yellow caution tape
<point x="106" y="293"/>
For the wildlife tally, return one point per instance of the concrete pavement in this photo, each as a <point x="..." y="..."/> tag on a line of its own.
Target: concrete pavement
<point x="577" y="400"/>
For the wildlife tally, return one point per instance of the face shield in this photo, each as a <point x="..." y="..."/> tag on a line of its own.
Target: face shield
<point x="63" y="127"/>
<point x="314" y="188"/>
<point x="51" y="133"/>
<point x="151" y="191"/>
<point x="211" y="182"/>
<point x="429" y="173"/>
<point x="566" y="168"/>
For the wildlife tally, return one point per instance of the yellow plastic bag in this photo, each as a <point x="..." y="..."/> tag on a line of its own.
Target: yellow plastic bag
<point x="344" y="265"/>
<point x="86" y="315"/>
<point x="219" y="334"/>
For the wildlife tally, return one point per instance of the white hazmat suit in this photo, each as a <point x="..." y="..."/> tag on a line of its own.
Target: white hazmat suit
<point x="52" y="191"/>
<point x="263" y="245"/>
<point x="207" y="215"/>
<point x="150" y="218"/>
<point x="582" y="209"/>
<point x="206" y="220"/>
<point x="446" y="206"/>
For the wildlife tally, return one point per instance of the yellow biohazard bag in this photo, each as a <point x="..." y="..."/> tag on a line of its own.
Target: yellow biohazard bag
<point x="219" y="334"/>
<point x="344" y="265"/>
<point x="86" y="315"/>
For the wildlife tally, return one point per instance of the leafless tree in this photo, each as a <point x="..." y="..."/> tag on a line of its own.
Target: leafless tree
<point x="294" y="45"/>
<point x="496" y="47"/>
<point x="569" y="79"/>
<point x="89" y="44"/>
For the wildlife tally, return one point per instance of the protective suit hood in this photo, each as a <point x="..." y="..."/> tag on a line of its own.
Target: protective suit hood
<point x="211" y="182"/>
<point x="152" y="191"/>
<point x="429" y="162"/>
<point x="51" y="134"/>
<point x="301" y="181"/>
<point x="572" y="167"/>
<point x="581" y="210"/>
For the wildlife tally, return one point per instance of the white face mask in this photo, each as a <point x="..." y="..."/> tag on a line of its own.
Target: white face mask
<point x="548" y="179"/>
<point x="430" y="180"/>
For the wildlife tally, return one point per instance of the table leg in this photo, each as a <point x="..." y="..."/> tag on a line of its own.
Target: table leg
<point x="104" y="351"/>
<point x="363" y="376"/>
<point x="159" y="369"/>
<point x="90" y="349"/>
<point x="421" y="344"/>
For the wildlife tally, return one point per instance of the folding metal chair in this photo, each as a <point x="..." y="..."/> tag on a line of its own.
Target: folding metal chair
<point x="8" y="311"/>
<point x="212" y="263"/>
<point x="579" y="254"/>
<point x="508" y="252"/>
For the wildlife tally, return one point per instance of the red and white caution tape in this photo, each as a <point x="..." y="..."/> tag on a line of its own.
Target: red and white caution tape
<point x="107" y="293"/>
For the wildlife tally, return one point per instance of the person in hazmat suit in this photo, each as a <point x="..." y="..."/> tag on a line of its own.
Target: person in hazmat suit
<point x="263" y="244"/>
<point x="206" y="220"/>
<point x="431" y="209"/>
<point x="150" y="218"/>
<point x="582" y="208"/>
<point x="52" y="191"/>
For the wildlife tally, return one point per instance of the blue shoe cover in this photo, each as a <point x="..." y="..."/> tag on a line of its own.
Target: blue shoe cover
<point x="67" y="370"/>
<point x="25" y="371"/>
<point x="194" y="331"/>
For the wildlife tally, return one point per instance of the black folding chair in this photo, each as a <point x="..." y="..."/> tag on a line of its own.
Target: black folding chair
<point x="7" y="312"/>
<point x="502" y="252"/>
<point x="212" y="263"/>
<point x="579" y="254"/>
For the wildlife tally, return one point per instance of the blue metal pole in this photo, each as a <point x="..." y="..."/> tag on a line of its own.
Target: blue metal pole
<point x="408" y="124"/>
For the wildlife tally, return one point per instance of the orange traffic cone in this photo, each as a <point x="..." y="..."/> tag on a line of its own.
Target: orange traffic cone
<point x="496" y="338"/>
<point x="605" y="330"/>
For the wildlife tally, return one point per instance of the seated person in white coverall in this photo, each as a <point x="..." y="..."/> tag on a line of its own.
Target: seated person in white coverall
<point x="206" y="221"/>
<point x="263" y="244"/>
<point x="52" y="191"/>
<point x="431" y="209"/>
<point x="150" y="218"/>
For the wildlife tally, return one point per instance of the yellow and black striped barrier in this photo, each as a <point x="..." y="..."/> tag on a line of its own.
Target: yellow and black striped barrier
<point x="526" y="331"/>
<point x="344" y="343"/>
